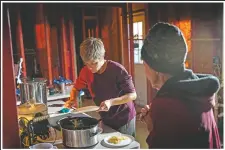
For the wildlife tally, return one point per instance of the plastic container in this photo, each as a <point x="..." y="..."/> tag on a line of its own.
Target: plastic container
<point x="80" y="98"/>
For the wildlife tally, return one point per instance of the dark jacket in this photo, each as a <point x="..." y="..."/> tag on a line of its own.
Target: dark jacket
<point x="182" y="113"/>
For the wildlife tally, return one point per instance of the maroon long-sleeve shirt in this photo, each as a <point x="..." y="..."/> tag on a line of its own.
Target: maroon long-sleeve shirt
<point x="113" y="82"/>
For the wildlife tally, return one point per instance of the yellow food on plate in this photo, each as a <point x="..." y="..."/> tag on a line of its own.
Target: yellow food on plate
<point x="116" y="139"/>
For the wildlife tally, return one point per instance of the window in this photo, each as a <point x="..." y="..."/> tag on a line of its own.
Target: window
<point x="138" y="41"/>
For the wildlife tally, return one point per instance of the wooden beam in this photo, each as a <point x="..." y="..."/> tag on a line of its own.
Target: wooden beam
<point x="49" y="51"/>
<point x="131" y="61"/>
<point x="72" y="50"/>
<point x="126" y="52"/>
<point x="55" y="52"/>
<point x="97" y="24"/>
<point x="10" y="135"/>
<point x="83" y="24"/>
<point x="119" y="40"/>
<point x="40" y="34"/>
<point x="64" y="47"/>
<point x="19" y="41"/>
<point x="147" y="27"/>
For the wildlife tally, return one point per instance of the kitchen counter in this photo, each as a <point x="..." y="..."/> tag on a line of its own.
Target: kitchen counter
<point x="58" y="96"/>
<point x="107" y="131"/>
<point x="52" y="97"/>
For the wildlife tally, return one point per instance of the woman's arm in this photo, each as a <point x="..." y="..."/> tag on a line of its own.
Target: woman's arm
<point x="123" y="99"/>
<point x="81" y="83"/>
<point x="125" y="84"/>
<point x="72" y="100"/>
<point x="146" y="117"/>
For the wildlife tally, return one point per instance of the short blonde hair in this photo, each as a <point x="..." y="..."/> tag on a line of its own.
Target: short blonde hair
<point x="92" y="49"/>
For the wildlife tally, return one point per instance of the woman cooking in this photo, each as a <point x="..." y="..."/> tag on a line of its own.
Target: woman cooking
<point x="110" y="86"/>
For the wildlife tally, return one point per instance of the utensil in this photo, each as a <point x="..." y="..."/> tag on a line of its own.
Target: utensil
<point x="56" y="105"/>
<point x="77" y="110"/>
<point x="84" y="109"/>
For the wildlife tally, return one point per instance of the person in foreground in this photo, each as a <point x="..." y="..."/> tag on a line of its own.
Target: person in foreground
<point x="110" y="86"/>
<point x="181" y="113"/>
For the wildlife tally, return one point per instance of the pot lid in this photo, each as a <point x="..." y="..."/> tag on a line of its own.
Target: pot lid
<point x="31" y="108"/>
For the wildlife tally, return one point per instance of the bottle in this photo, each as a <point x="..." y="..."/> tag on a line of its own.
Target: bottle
<point x="80" y="98"/>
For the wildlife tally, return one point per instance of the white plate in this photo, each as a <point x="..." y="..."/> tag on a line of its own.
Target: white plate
<point x="123" y="143"/>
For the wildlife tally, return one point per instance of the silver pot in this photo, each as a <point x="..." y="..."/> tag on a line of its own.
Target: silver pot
<point x="33" y="90"/>
<point x="80" y="136"/>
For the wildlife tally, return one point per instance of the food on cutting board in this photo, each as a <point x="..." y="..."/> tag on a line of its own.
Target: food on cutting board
<point x="117" y="139"/>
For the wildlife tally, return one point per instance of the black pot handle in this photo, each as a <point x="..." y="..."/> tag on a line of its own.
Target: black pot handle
<point x="99" y="131"/>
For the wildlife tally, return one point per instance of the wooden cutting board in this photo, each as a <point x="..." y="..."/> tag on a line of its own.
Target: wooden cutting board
<point x="85" y="109"/>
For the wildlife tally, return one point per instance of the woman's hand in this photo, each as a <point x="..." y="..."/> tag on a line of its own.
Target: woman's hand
<point x="144" y="112"/>
<point x="70" y="103"/>
<point x="105" y="105"/>
<point x="145" y="117"/>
